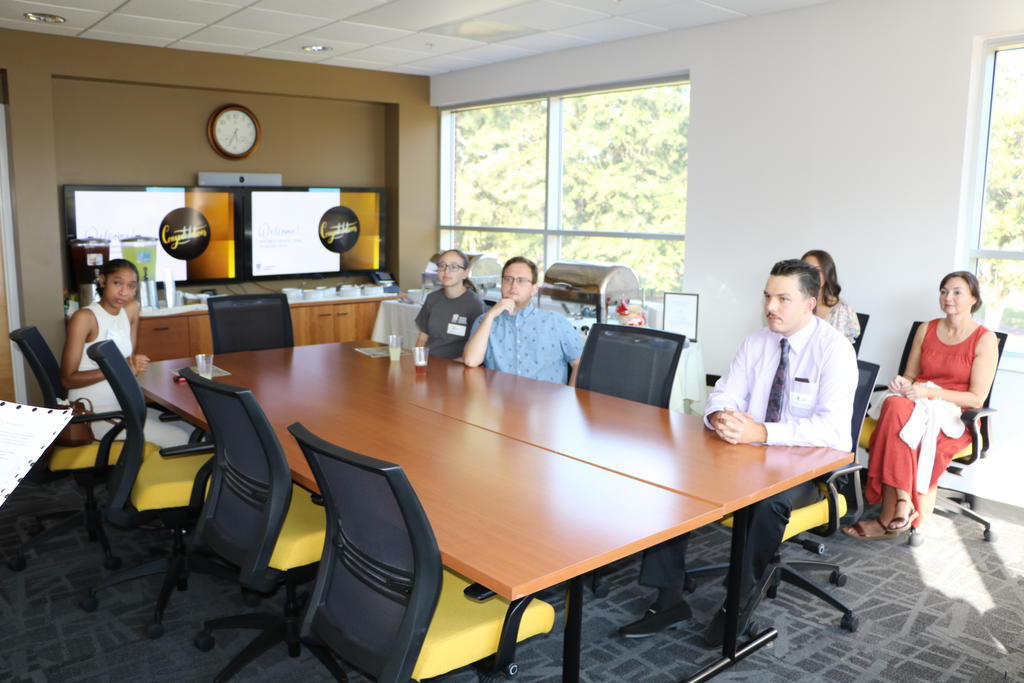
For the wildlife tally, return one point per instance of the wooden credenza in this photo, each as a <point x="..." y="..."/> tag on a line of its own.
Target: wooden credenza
<point x="313" y="322"/>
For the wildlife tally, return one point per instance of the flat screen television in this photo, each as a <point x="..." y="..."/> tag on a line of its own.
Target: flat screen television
<point x="294" y="232"/>
<point x="196" y="228"/>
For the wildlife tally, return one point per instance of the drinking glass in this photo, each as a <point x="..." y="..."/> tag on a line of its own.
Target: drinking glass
<point x="419" y="357"/>
<point x="395" y="346"/>
<point x="204" y="365"/>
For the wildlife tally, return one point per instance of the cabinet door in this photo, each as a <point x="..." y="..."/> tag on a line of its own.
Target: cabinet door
<point x="164" y="338"/>
<point x="199" y="335"/>
<point x="366" y="316"/>
<point x="345" y="322"/>
<point x="313" y="324"/>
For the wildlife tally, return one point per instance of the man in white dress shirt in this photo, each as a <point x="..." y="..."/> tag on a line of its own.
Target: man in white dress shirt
<point x="791" y="383"/>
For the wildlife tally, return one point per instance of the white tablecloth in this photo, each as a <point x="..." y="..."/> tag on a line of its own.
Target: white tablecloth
<point x="395" y="317"/>
<point x="688" y="390"/>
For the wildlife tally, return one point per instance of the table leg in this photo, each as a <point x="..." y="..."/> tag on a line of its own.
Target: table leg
<point x="573" y="628"/>
<point x="731" y="651"/>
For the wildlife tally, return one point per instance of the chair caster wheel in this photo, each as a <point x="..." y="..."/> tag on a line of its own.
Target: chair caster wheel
<point x="154" y="630"/>
<point x="772" y="592"/>
<point x="203" y="641"/>
<point x="989" y="535"/>
<point x="89" y="603"/>
<point x="689" y="584"/>
<point x="849" y="622"/>
<point x="16" y="564"/>
<point x="915" y="540"/>
<point x="837" y="578"/>
<point x="113" y="562"/>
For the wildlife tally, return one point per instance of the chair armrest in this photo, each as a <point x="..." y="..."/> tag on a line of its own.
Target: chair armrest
<point x="478" y="592"/>
<point x="880" y="387"/>
<point x="832" y="495"/>
<point x="969" y="416"/>
<point x="186" y="449"/>
<point x="976" y="422"/>
<point x="103" y="451"/>
<point x="94" y="417"/>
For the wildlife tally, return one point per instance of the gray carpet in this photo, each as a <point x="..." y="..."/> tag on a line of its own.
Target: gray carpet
<point x="949" y="610"/>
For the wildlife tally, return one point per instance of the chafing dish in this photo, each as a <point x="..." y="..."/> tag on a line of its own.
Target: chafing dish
<point x="589" y="289"/>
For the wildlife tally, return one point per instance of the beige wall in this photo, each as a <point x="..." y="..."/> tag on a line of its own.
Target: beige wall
<point x="90" y="112"/>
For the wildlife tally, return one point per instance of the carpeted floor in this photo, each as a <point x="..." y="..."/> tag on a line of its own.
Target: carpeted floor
<point x="949" y="610"/>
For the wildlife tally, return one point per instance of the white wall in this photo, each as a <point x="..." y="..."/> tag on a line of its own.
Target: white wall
<point x="841" y="127"/>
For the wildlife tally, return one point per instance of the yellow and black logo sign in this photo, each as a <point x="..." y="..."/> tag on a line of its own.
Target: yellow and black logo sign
<point x="339" y="229"/>
<point x="184" y="233"/>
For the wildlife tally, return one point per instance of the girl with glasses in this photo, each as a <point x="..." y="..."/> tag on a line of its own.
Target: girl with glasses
<point x="448" y="313"/>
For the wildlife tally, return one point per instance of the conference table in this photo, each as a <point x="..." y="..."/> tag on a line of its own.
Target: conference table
<point x="527" y="484"/>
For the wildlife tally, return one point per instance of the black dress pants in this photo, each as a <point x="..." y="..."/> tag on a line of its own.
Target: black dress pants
<point x="664" y="565"/>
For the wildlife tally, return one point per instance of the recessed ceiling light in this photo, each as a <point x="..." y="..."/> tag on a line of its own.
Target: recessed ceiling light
<point x="316" y="48"/>
<point x="44" y="18"/>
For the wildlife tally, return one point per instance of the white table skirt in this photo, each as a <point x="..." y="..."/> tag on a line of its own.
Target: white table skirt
<point x="688" y="390"/>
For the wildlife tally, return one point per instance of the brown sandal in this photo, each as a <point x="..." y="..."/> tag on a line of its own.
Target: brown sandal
<point x="859" y="531"/>
<point x="900" y="523"/>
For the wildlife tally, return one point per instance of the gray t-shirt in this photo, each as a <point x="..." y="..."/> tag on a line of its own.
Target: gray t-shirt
<point x="447" y="322"/>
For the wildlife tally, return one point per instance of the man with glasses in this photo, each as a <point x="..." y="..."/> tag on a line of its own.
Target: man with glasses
<point x="517" y="337"/>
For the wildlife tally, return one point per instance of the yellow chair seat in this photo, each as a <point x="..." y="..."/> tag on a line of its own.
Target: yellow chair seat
<point x="80" y="457"/>
<point x="301" y="540"/>
<point x="464" y="630"/>
<point x="806" y="518"/>
<point x="868" y="428"/>
<point x="165" y="482"/>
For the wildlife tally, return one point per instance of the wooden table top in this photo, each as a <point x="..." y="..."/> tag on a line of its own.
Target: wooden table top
<point x="486" y="494"/>
<point x="495" y="457"/>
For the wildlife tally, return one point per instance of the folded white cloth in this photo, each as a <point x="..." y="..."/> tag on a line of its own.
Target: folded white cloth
<point x="930" y="416"/>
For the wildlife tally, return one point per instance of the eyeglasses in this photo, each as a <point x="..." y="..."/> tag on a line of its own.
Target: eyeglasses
<point x="509" y="280"/>
<point x="450" y="266"/>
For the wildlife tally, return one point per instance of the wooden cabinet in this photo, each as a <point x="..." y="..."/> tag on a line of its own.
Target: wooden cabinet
<point x="186" y="334"/>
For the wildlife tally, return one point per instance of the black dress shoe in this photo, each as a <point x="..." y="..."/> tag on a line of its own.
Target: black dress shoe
<point x="715" y="633"/>
<point x="654" y="621"/>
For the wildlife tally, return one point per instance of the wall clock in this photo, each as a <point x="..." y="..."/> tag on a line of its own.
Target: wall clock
<point x="233" y="131"/>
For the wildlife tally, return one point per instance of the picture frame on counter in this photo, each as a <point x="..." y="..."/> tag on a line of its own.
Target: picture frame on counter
<point x="680" y="314"/>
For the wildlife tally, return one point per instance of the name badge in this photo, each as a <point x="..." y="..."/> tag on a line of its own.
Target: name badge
<point x="457" y="330"/>
<point x="801" y="401"/>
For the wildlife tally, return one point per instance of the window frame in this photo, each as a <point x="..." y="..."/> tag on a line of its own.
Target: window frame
<point x="552" y="232"/>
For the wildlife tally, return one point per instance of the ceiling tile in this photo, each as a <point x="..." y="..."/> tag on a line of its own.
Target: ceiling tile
<point x="358" y="33"/>
<point x="615" y="7"/>
<point x="91" y="5"/>
<point x="546" y="16"/>
<point x="22" y="25"/>
<point x="496" y="53"/>
<point x="412" y="70"/>
<point x="199" y="46"/>
<point x="332" y="9"/>
<point x="416" y="15"/>
<point x="445" y="62"/>
<point x="750" y="7"/>
<point x="145" y="26"/>
<point x="614" y="28"/>
<point x="354" y="63"/>
<point x="682" y="15"/>
<point x="386" y="55"/>
<point x="236" y="37"/>
<point x="182" y="10"/>
<point x="131" y="38"/>
<point x="76" y="19"/>
<point x="270" y="20"/>
<point x="547" y="42"/>
<point x="338" y="47"/>
<point x="432" y="44"/>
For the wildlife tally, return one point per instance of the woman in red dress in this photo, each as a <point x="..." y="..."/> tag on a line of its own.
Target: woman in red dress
<point x="959" y="356"/>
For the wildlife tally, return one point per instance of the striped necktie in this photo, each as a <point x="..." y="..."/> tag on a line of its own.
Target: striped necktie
<point x="774" y="411"/>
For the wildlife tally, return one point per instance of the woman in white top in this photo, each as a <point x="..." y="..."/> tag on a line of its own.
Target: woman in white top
<point x="831" y="308"/>
<point x="114" y="316"/>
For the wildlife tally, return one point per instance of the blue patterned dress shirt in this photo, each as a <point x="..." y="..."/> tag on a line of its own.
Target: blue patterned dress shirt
<point x="532" y="343"/>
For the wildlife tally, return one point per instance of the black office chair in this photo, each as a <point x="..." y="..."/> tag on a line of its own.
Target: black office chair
<point x="382" y="600"/>
<point x="88" y="465"/>
<point x="821" y="518"/>
<point x="250" y="322"/>
<point x="635" y="363"/>
<point x="254" y="518"/>
<point x="862" y="318"/>
<point x="976" y="422"/>
<point x="144" y="486"/>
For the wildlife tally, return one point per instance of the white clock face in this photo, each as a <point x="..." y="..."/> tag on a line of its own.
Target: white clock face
<point x="235" y="131"/>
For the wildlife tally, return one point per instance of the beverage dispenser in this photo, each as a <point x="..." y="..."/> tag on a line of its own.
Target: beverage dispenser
<point x="141" y="251"/>
<point x="87" y="257"/>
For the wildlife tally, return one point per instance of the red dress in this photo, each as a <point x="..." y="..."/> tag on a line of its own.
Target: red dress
<point x="892" y="461"/>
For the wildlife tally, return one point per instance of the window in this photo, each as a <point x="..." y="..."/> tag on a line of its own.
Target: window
<point x="997" y="243"/>
<point x="596" y="176"/>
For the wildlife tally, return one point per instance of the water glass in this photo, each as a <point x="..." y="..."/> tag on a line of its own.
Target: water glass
<point x="395" y="346"/>
<point x="419" y="357"/>
<point x="204" y="365"/>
